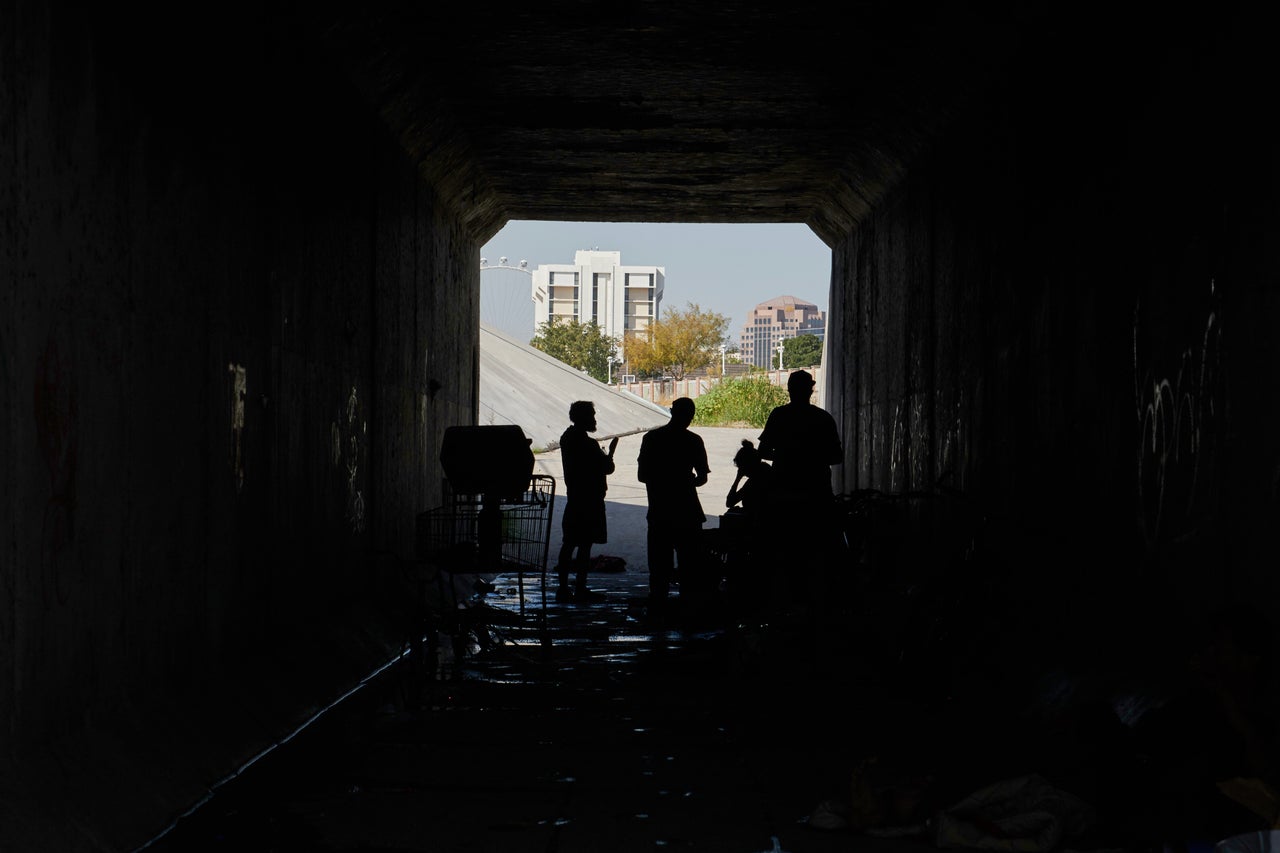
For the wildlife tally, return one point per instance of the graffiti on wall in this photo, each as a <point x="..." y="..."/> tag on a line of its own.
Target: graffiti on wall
<point x="948" y="466"/>
<point x="239" y="389"/>
<point x="898" y="446"/>
<point x="1177" y="414"/>
<point x="54" y="407"/>
<point x="347" y="433"/>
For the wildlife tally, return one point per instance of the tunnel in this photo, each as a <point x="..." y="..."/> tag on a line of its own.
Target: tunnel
<point x="239" y="309"/>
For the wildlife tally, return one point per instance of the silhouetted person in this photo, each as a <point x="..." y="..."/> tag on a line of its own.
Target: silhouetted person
<point x="586" y="469"/>
<point x="751" y="525"/>
<point x="672" y="465"/>
<point x="803" y="442"/>
<point x="756" y="492"/>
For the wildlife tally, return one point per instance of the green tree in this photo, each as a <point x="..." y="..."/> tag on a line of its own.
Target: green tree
<point x="679" y="342"/>
<point x="584" y="346"/>
<point x="802" y="351"/>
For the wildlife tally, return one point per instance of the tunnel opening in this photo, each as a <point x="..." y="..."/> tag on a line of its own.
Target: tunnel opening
<point x="734" y="293"/>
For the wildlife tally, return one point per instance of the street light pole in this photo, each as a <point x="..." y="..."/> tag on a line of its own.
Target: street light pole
<point x="780" y="350"/>
<point x="722" y="361"/>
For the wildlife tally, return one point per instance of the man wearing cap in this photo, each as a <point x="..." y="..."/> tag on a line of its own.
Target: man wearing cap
<point x="803" y="442"/>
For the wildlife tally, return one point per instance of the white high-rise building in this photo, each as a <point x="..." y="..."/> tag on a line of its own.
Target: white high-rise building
<point x="596" y="286"/>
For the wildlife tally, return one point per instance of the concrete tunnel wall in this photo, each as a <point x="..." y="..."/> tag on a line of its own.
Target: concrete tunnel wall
<point x="1068" y="312"/>
<point x="235" y="325"/>
<point x="1030" y="310"/>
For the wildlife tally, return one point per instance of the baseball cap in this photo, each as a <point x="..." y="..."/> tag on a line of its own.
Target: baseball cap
<point x="800" y="379"/>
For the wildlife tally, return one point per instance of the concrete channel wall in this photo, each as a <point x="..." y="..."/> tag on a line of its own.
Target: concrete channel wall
<point x="1049" y="318"/>
<point x="235" y="325"/>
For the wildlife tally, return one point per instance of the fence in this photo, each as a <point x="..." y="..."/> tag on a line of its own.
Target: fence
<point x="663" y="391"/>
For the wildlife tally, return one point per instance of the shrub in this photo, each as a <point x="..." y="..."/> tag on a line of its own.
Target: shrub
<point x="745" y="400"/>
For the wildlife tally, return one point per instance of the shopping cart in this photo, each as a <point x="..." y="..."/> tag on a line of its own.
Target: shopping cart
<point x="487" y="538"/>
<point x="495" y="521"/>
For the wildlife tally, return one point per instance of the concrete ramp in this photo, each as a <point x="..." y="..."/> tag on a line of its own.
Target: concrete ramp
<point x="526" y="387"/>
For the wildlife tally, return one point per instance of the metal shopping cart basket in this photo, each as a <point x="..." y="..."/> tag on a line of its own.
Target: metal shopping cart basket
<point x="474" y="539"/>
<point x="489" y="538"/>
<point x="495" y="521"/>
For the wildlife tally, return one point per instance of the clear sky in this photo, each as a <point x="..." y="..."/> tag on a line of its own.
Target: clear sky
<point x="725" y="268"/>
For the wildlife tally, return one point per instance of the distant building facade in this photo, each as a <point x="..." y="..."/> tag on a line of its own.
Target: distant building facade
<point x="596" y="286"/>
<point x="775" y="320"/>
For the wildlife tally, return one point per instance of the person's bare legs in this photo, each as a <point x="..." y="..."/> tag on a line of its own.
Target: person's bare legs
<point x="583" y="565"/>
<point x="563" y="567"/>
<point x="574" y="568"/>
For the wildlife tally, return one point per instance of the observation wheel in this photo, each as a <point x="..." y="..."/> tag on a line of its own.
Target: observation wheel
<point x="506" y="298"/>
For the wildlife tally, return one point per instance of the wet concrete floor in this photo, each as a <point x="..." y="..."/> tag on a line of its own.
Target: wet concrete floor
<point x="618" y="736"/>
<point x="598" y="730"/>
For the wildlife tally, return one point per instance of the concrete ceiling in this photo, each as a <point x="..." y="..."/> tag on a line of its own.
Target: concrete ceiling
<point x="671" y="111"/>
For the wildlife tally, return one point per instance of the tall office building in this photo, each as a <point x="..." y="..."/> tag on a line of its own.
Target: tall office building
<point x="596" y="286"/>
<point x="775" y="320"/>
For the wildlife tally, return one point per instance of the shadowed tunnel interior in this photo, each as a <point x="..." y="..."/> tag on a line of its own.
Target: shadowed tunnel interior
<point x="239" y="292"/>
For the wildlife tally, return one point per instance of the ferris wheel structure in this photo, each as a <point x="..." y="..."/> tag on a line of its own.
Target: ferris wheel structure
<point x="506" y="298"/>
